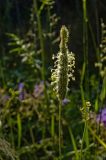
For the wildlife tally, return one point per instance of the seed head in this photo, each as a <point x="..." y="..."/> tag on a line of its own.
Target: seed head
<point x="63" y="66"/>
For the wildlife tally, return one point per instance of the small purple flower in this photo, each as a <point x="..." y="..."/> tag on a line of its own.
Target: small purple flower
<point x="101" y="117"/>
<point x="65" y="101"/>
<point x="39" y="89"/>
<point x="36" y="88"/>
<point x="20" y="86"/>
<point x="21" y="91"/>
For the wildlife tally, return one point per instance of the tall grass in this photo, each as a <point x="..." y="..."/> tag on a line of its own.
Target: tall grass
<point x="40" y="125"/>
<point x="84" y="86"/>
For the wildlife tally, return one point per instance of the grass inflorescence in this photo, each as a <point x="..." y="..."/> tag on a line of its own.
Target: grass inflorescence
<point x="64" y="66"/>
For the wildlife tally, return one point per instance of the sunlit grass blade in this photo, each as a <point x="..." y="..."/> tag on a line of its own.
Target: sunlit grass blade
<point x="97" y="137"/>
<point x="73" y="143"/>
<point x="19" y="129"/>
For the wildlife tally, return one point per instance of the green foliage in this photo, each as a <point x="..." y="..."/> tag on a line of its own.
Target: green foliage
<point x="32" y="126"/>
<point x="25" y="52"/>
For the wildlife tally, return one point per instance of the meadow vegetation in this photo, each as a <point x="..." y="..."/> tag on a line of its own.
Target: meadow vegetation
<point x="52" y="96"/>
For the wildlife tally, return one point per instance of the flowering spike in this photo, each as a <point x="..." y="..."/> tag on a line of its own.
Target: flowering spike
<point x="63" y="66"/>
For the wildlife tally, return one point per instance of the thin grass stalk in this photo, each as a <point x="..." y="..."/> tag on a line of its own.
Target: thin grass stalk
<point x="85" y="137"/>
<point x="97" y="30"/>
<point x="85" y="43"/>
<point x="85" y="75"/>
<point x="60" y="105"/>
<point x="19" y="125"/>
<point x="50" y="31"/>
<point x="40" y="37"/>
<point x="12" y="138"/>
<point x="42" y="54"/>
<point x="41" y="43"/>
<point x="85" y="32"/>
<point x="52" y="126"/>
<point x="97" y="50"/>
<point x="2" y="76"/>
<point x="73" y="143"/>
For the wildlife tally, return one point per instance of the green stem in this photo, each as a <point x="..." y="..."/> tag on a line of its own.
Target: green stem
<point x="85" y="137"/>
<point x="40" y="35"/>
<point x="40" y="38"/>
<point x="85" y="43"/>
<point x="2" y="75"/>
<point x="60" y="103"/>
<point x="52" y="126"/>
<point x="73" y="143"/>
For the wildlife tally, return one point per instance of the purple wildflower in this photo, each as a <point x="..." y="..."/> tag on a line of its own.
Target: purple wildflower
<point x="36" y="88"/>
<point x="65" y="101"/>
<point x="20" y="86"/>
<point x="39" y="89"/>
<point x="101" y="117"/>
<point x="21" y="91"/>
